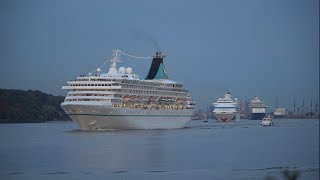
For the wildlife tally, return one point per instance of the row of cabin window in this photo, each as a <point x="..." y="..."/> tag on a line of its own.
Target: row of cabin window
<point x="105" y="95"/>
<point x="90" y="95"/>
<point x="90" y="84"/>
<point x="150" y="87"/>
<point x="111" y="80"/>
<point x="89" y="79"/>
<point x="134" y="91"/>
<point x="151" y="92"/>
<point x="154" y="88"/>
<point x="137" y="86"/>
<point x="76" y="90"/>
<point x="105" y="100"/>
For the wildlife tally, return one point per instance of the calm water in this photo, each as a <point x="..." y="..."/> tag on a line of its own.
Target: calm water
<point x="239" y="150"/>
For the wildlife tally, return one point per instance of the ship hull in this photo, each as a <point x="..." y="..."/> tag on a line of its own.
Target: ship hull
<point x="225" y="117"/>
<point x="104" y="117"/>
<point x="257" y="116"/>
<point x="280" y="116"/>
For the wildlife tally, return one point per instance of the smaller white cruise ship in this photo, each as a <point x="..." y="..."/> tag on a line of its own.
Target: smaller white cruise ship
<point x="258" y="109"/>
<point x="226" y="108"/>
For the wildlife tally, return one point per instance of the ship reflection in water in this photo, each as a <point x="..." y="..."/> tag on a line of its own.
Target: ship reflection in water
<point x="126" y="153"/>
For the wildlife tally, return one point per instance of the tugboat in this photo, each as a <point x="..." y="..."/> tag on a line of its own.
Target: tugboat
<point x="267" y="121"/>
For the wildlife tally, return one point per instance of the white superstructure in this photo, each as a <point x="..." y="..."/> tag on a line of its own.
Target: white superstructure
<point x="120" y="100"/>
<point x="280" y="113"/>
<point x="226" y="108"/>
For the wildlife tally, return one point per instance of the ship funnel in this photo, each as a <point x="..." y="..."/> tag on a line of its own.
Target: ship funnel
<point x="157" y="69"/>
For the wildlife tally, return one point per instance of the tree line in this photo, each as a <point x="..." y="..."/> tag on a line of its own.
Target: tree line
<point x="19" y="106"/>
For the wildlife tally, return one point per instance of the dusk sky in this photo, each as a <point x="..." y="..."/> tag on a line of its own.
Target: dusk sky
<point x="268" y="48"/>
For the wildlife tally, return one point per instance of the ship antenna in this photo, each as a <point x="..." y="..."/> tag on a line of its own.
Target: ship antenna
<point x="115" y="58"/>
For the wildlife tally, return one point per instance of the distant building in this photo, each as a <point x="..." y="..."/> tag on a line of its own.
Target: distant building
<point x="244" y="109"/>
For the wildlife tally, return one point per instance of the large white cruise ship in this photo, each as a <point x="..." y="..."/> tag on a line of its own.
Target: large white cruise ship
<point x="226" y="108"/>
<point x="120" y="100"/>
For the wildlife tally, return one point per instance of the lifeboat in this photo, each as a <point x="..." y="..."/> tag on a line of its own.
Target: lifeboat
<point x="130" y="97"/>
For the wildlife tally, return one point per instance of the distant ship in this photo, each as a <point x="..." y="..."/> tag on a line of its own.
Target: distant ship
<point x="280" y="113"/>
<point x="258" y="109"/>
<point x="120" y="100"/>
<point x="226" y="108"/>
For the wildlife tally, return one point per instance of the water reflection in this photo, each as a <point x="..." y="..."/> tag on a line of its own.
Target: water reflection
<point x="124" y="150"/>
<point x="147" y="150"/>
<point x="156" y="151"/>
<point x="203" y="150"/>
